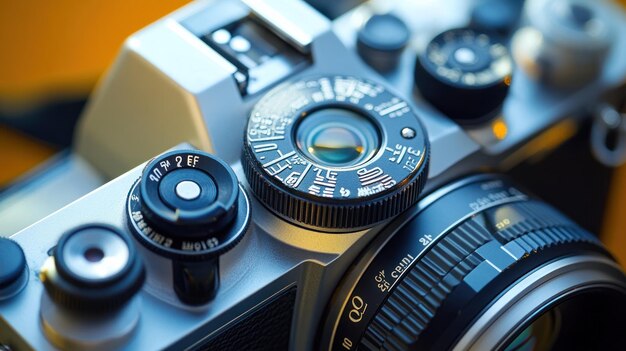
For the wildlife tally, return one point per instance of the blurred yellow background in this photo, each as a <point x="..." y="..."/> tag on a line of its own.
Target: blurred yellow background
<point x="58" y="49"/>
<point x="63" y="46"/>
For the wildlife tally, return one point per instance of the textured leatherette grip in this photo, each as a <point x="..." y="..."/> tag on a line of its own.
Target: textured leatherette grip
<point x="266" y="329"/>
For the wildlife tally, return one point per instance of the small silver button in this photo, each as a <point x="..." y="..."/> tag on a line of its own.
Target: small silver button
<point x="188" y="190"/>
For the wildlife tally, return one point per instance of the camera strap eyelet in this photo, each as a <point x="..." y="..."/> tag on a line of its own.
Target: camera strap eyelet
<point x="608" y="135"/>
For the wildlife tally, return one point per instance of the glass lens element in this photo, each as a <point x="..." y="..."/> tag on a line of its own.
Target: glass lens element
<point x="336" y="137"/>
<point x="539" y="335"/>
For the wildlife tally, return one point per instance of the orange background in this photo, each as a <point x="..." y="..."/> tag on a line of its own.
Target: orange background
<point x="58" y="49"/>
<point x="63" y="46"/>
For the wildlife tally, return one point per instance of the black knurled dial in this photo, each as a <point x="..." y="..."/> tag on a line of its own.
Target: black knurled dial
<point x="188" y="205"/>
<point x="465" y="73"/>
<point x="189" y="209"/>
<point x="337" y="153"/>
<point x="95" y="270"/>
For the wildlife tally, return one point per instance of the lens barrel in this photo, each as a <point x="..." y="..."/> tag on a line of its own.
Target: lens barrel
<point x="476" y="267"/>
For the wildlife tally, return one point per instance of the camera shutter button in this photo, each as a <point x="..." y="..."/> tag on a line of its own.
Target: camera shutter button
<point x="91" y="289"/>
<point x="94" y="270"/>
<point x="187" y="190"/>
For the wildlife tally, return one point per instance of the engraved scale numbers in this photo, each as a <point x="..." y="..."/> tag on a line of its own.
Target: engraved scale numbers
<point x="267" y="128"/>
<point x="357" y="313"/>
<point x="141" y="225"/>
<point x="271" y="128"/>
<point x="373" y="180"/>
<point x="408" y="156"/>
<point x="393" y="108"/>
<point x="492" y="197"/>
<point x="381" y="281"/>
<point x="358" y="309"/>
<point x="179" y="161"/>
<point x="355" y="90"/>
<point x="324" y="184"/>
<point x="150" y="233"/>
<point x="386" y="279"/>
<point x="347" y="344"/>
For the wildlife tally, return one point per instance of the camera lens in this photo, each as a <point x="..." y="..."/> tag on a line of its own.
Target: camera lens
<point x="589" y="319"/>
<point x="335" y="153"/>
<point x="337" y="137"/>
<point x="480" y="265"/>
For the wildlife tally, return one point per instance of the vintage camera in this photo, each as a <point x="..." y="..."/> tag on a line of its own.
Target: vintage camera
<point x="324" y="187"/>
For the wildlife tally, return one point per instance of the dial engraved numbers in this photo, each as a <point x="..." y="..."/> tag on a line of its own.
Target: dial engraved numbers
<point x="163" y="240"/>
<point x="373" y="181"/>
<point x="273" y="125"/>
<point x="409" y="157"/>
<point x="324" y="183"/>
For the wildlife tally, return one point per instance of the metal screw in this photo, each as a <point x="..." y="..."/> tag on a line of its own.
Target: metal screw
<point x="408" y="133"/>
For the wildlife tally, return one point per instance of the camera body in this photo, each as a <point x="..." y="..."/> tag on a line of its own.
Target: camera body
<point x="285" y="284"/>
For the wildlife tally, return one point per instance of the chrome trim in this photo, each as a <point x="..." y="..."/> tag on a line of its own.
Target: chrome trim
<point x="530" y="295"/>
<point x="294" y="21"/>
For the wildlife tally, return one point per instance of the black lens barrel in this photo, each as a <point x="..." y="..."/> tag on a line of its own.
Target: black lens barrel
<point x="424" y="281"/>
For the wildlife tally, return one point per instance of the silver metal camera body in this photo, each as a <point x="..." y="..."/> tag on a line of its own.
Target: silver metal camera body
<point x="168" y="86"/>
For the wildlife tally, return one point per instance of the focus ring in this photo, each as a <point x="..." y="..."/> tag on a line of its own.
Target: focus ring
<point x="397" y="326"/>
<point x="429" y="274"/>
<point x="339" y="216"/>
